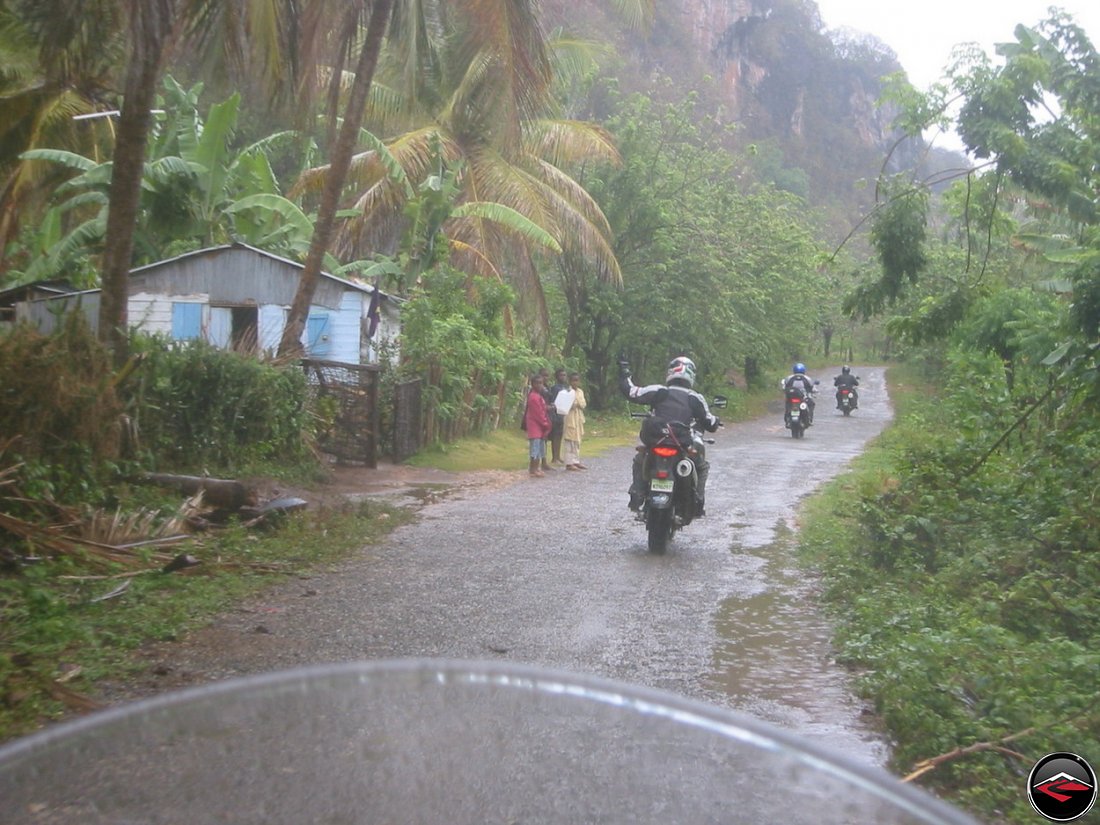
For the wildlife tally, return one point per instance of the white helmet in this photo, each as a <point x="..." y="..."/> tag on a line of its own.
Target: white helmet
<point x="681" y="369"/>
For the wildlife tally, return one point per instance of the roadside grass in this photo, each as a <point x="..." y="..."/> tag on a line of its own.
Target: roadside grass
<point x="61" y="631"/>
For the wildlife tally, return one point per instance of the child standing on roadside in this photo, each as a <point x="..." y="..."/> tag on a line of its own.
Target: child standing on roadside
<point x="537" y="423"/>
<point x="573" y="429"/>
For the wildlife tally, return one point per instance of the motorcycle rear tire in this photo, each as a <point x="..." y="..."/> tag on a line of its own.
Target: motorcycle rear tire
<point x="796" y="430"/>
<point x="847" y="411"/>
<point x="659" y="525"/>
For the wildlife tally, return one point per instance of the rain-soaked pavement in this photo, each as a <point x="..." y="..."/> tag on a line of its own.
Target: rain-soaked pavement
<point x="535" y="574"/>
<point x="555" y="572"/>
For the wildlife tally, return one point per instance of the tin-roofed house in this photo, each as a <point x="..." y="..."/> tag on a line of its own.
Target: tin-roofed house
<point x="13" y="295"/>
<point x="238" y="296"/>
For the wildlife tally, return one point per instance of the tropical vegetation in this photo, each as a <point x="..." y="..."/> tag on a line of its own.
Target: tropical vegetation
<point x="961" y="559"/>
<point x="534" y="203"/>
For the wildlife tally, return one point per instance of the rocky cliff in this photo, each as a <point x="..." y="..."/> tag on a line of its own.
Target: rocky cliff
<point x="771" y="68"/>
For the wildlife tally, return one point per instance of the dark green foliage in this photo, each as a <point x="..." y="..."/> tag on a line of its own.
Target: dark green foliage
<point x="1056" y="157"/>
<point x="965" y="585"/>
<point x="898" y="234"/>
<point x="453" y="339"/>
<point x="199" y="406"/>
<point x="1086" y="299"/>
<point x="59" y="407"/>
<point x="688" y="236"/>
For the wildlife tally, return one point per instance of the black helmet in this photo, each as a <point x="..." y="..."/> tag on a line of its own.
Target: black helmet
<point x="845" y="369"/>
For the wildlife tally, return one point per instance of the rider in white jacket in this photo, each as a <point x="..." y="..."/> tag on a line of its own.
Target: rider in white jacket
<point x="675" y="400"/>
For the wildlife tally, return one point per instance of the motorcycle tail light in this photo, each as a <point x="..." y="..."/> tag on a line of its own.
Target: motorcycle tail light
<point x="796" y="401"/>
<point x="665" y="452"/>
<point x="661" y="474"/>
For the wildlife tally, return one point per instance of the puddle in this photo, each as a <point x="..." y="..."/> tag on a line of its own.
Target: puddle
<point x="774" y="659"/>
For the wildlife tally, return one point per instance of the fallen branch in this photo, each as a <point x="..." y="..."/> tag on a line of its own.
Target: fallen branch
<point x="998" y="746"/>
<point x="220" y="492"/>
<point x="926" y="765"/>
<point x="70" y="698"/>
<point x="118" y="591"/>
<point x="130" y="574"/>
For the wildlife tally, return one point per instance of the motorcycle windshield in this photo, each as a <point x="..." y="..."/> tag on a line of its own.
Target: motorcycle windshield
<point x="438" y="741"/>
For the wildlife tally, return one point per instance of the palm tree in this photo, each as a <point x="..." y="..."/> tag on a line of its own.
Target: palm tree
<point x="516" y="157"/>
<point x="54" y="69"/>
<point x="149" y="28"/>
<point x="506" y="30"/>
<point x="342" y="150"/>
<point x="506" y="79"/>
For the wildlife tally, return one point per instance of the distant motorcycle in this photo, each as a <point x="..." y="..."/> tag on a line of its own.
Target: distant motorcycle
<point x="847" y="399"/>
<point x="796" y="411"/>
<point x="670" y="475"/>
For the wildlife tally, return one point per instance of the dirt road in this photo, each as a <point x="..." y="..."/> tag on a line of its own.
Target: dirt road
<point x="555" y="572"/>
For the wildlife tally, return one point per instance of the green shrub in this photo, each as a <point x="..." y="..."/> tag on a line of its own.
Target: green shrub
<point x="199" y="406"/>
<point x="964" y="585"/>
<point x="60" y="414"/>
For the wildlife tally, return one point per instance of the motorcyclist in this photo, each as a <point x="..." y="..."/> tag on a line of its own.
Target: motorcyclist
<point x="675" y="400"/>
<point x="846" y="379"/>
<point x="799" y="378"/>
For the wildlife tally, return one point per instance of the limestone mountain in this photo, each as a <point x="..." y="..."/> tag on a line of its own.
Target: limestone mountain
<point x="806" y="98"/>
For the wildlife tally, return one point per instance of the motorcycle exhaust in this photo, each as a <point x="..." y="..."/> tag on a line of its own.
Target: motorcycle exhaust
<point x="684" y="468"/>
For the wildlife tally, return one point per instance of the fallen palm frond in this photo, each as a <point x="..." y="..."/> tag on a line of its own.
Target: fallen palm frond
<point x="50" y="539"/>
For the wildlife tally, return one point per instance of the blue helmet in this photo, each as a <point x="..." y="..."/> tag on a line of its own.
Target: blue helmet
<point x="800" y="368"/>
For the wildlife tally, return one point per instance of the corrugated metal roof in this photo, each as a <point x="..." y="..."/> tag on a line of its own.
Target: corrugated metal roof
<point x="151" y="269"/>
<point x="367" y="288"/>
<point x="54" y="286"/>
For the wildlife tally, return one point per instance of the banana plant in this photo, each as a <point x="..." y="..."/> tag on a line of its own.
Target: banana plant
<point x="196" y="191"/>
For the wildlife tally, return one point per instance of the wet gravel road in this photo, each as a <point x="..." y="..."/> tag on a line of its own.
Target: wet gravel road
<point x="554" y="572"/>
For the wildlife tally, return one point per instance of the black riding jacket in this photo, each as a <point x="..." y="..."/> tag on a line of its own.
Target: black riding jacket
<point x="843" y="380"/>
<point x="672" y="403"/>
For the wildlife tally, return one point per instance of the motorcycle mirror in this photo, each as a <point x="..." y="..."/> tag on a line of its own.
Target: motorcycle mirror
<point x="719" y="401"/>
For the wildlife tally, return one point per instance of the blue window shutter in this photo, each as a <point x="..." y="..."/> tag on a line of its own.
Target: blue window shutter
<point x="186" y="321"/>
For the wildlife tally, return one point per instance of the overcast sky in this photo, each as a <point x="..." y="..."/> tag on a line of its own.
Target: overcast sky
<point x="924" y="32"/>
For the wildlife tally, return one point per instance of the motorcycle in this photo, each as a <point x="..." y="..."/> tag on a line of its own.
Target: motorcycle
<point x="670" y="475"/>
<point x="796" y="410"/>
<point x="847" y="399"/>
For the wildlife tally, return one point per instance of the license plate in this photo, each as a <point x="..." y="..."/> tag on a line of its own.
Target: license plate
<point x="794" y="415"/>
<point x="661" y="485"/>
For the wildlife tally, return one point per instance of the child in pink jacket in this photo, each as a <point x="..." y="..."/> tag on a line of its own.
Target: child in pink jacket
<point x="537" y="422"/>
